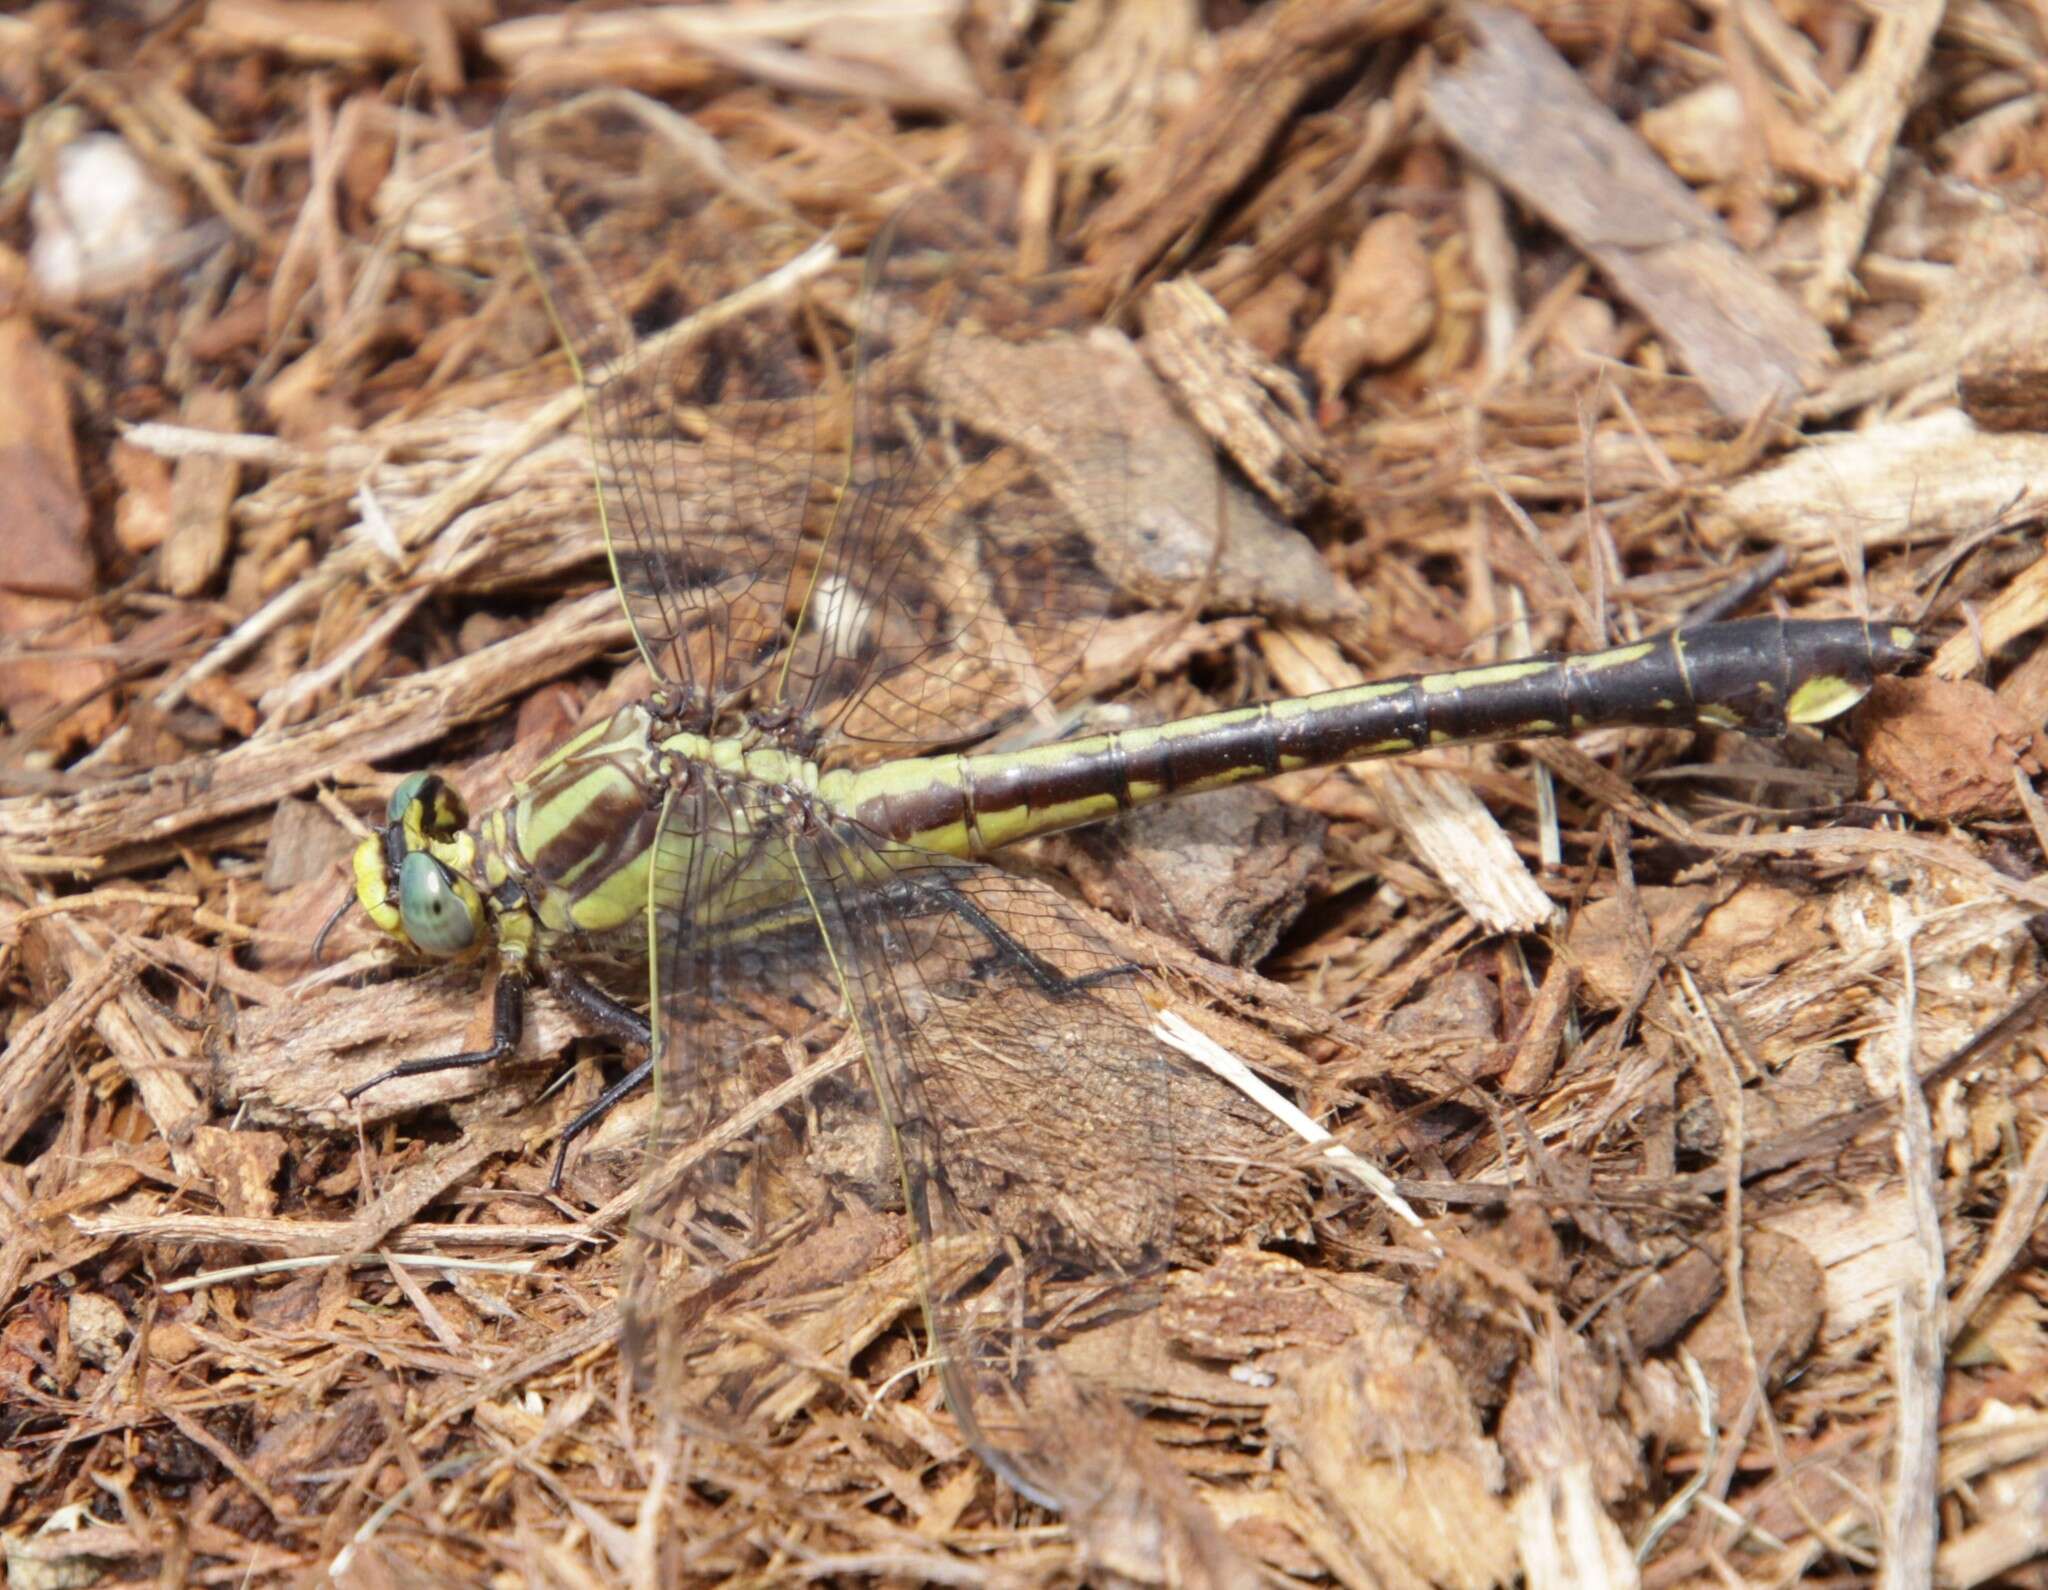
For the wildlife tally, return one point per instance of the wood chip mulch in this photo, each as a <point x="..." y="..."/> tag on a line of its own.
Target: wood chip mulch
<point x="1713" y="1069"/>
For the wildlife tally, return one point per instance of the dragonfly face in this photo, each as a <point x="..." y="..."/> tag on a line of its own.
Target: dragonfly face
<point x="412" y="877"/>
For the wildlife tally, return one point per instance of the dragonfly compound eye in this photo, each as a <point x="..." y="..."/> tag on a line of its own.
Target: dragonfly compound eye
<point x="441" y="916"/>
<point x="410" y="788"/>
<point x="440" y="810"/>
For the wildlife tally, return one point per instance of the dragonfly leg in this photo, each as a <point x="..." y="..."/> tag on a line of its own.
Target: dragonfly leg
<point x="606" y="1014"/>
<point x="508" y="1012"/>
<point x="606" y="1102"/>
<point x="598" y="1009"/>
<point x="1020" y="956"/>
<point x="508" y="1000"/>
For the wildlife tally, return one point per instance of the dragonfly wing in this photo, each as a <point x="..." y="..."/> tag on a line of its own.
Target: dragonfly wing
<point x="1052" y="1155"/>
<point x="658" y="263"/>
<point x="746" y="1005"/>
<point x="976" y="543"/>
<point x="999" y="1102"/>
<point x="904" y="525"/>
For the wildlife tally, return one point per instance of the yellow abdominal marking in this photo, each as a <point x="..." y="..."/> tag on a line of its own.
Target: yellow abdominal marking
<point x="1820" y="699"/>
<point x="1473" y="678"/>
<point x="1613" y="657"/>
<point x="1004" y="827"/>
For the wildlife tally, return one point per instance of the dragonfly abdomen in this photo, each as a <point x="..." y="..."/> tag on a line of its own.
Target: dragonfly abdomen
<point x="1752" y="674"/>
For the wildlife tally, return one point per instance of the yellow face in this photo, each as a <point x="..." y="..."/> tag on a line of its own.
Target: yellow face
<point x="413" y="877"/>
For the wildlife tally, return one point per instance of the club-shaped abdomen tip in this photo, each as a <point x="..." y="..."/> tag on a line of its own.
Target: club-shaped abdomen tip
<point x="1841" y="667"/>
<point x="1893" y="647"/>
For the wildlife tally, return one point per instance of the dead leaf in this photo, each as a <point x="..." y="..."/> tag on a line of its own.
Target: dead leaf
<point x="1946" y="749"/>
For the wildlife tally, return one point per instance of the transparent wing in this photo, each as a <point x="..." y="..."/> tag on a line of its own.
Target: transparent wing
<point x="902" y="526"/>
<point x="668" y="276"/>
<point x="979" y="532"/>
<point x="740" y="984"/>
<point x="1047" y="1155"/>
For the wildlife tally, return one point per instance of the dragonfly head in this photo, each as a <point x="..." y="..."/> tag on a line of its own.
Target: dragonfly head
<point x="413" y="875"/>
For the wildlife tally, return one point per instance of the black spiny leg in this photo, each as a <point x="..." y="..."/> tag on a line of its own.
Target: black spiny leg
<point x="606" y="1102"/>
<point x="934" y="896"/>
<point x="508" y="1015"/>
<point x="608" y="1015"/>
<point x="508" y="1000"/>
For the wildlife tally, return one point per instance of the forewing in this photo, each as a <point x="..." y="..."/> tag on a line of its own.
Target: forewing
<point x="910" y="568"/>
<point x="668" y="277"/>
<point x="976" y="541"/>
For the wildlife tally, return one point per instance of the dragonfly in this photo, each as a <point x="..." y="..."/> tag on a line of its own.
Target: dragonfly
<point x="853" y="542"/>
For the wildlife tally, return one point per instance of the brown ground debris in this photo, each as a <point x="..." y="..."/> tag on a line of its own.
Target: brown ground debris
<point x="1680" y="1214"/>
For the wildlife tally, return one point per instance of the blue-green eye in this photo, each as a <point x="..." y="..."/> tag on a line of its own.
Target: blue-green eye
<point x="435" y="916"/>
<point x="440" y="810"/>
<point x="409" y="790"/>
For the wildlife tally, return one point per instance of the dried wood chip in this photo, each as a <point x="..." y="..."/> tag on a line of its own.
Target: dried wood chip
<point x="1756" y="932"/>
<point x="97" y="1328"/>
<point x="1814" y="1085"/>
<point x="1518" y="109"/>
<point x="54" y="687"/>
<point x="1267" y="318"/>
<point x="217" y="694"/>
<point x="43" y="550"/>
<point x="2018" y="610"/>
<point x="1562" y="1417"/>
<point x="1933" y="475"/>
<point x="1227" y="873"/>
<point x="1970" y="265"/>
<point x="1701" y="135"/>
<point x="241" y="1168"/>
<point x="1458" y="1013"/>
<point x="203" y="489"/>
<point x="1132" y="1510"/>
<point x="1171" y="500"/>
<point x="1670" y="1300"/>
<point x="2007" y="392"/>
<point x="1864" y="1246"/>
<point x="1121" y="71"/>
<point x="1262" y="73"/>
<point x="333" y="31"/>
<point x="1387" y="1435"/>
<point x="1251" y="1302"/>
<point x="1249" y="406"/>
<point x="1946" y="749"/>
<point x="1541" y="1044"/>
<point x="903" y="54"/>
<point x="1778" y="1321"/>
<point x="305" y="843"/>
<point x="1382" y="307"/>
<point x="142" y="512"/>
